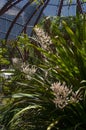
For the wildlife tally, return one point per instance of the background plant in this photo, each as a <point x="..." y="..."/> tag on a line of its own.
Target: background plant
<point x="60" y="63"/>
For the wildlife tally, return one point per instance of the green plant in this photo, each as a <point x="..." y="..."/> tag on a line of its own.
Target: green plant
<point x="31" y="93"/>
<point x="67" y="61"/>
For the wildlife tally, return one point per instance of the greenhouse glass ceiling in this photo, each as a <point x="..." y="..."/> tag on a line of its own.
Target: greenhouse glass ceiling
<point x="17" y="16"/>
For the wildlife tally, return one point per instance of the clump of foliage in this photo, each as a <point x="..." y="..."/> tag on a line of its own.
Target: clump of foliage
<point x="48" y="93"/>
<point x="4" y="54"/>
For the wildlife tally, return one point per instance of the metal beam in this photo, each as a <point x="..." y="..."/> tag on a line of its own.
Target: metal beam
<point x="7" y="6"/>
<point x="35" y="11"/>
<point x="79" y="7"/>
<point x="60" y="8"/>
<point x="17" y="16"/>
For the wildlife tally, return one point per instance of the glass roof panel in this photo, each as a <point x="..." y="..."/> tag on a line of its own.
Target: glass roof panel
<point x="22" y="16"/>
<point x="68" y="11"/>
<point x="84" y="7"/>
<point x="54" y="2"/>
<point x="50" y="10"/>
<point x="2" y="3"/>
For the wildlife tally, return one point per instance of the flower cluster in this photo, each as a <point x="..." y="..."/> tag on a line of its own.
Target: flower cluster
<point x="17" y="62"/>
<point x="23" y="67"/>
<point x="62" y="94"/>
<point x="43" y="37"/>
<point x="28" y="71"/>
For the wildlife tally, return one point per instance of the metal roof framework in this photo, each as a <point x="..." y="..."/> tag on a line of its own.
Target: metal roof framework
<point x="41" y="4"/>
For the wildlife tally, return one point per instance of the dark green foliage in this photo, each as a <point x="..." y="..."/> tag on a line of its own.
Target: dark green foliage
<point x="28" y="98"/>
<point x="4" y="55"/>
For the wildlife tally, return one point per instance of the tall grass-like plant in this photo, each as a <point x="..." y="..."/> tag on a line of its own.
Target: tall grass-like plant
<point x="65" y="61"/>
<point x="68" y="45"/>
<point x="50" y="93"/>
